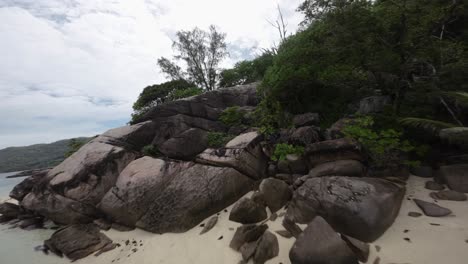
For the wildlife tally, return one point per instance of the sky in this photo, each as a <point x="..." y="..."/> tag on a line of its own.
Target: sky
<point x="72" y="68"/>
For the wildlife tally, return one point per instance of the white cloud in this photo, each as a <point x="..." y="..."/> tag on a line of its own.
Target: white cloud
<point x="73" y="68"/>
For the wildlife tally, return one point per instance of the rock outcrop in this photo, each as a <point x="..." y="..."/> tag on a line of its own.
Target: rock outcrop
<point x="333" y="150"/>
<point x="78" y="241"/>
<point x="320" y="244"/>
<point x="456" y="176"/>
<point x="362" y="208"/>
<point x="243" y="153"/>
<point x="168" y="196"/>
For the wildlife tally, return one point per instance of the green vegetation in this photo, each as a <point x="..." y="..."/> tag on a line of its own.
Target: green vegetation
<point x="383" y="145"/>
<point x="218" y="139"/>
<point x="150" y="150"/>
<point x="202" y="52"/>
<point x="232" y="116"/>
<point x="409" y="50"/>
<point x="283" y="149"/>
<point x="245" y="72"/>
<point x="157" y="94"/>
<point x="35" y="156"/>
<point x="75" y="144"/>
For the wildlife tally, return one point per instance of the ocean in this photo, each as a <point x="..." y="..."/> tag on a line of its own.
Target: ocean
<point x="7" y="184"/>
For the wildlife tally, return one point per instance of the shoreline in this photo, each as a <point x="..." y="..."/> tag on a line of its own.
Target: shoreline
<point x="428" y="243"/>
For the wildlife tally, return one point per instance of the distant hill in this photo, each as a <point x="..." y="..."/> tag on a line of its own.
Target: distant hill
<point x="34" y="156"/>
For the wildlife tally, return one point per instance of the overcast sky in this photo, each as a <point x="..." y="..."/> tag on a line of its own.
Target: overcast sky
<point x="71" y="68"/>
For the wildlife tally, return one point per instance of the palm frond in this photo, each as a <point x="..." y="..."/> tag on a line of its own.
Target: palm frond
<point x="432" y="126"/>
<point x="461" y="97"/>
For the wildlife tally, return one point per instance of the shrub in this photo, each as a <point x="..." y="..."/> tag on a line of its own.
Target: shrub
<point x="269" y="116"/>
<point x="150" y="150"/>
<point x="283" y="149"/>
<point x="184" y="93"/>
<point x="383" y="145"/>
<point x="218" y="139"/>
<point x="232" y="116"/>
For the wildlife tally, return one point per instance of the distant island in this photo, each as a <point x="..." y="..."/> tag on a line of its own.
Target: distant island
<point x="36" y="156"/>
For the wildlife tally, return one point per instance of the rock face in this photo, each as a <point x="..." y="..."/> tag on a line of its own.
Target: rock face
<point x="161" y="196"/>
<point x="243" y="153"/>
<point x="373" y="104"/>
<point x="185" y="145"/>
<point x="26" y="186"/>
<point x="77" y="241"/>
<point x="247" y="211"/>
<point x="305" y="135"/>
<point x="456" y="177"/>
<point x="307" y="119"/>
<point x="339" y="167"/>
<point x="362" y="208"/>
<point x="431" y="209"/>
<point x="333" y="150"/>
<point x="70" y="191"/>
<point x="320" y="244"/>
<point x="9" y="210"/>
<point x="456" y="135"/>
<point x="274" y="193"/>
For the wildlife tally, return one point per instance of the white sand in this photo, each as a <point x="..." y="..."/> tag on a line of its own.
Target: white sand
<point x="429" y="244"/>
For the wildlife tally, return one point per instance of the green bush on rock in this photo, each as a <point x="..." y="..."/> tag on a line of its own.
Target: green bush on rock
<point x="218" y="139"/>
<point x="283" y="149"/>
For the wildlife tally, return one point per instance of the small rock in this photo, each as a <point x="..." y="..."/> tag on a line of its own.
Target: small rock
<point x="359" y="248"/>
<point x="221" y="237"/>
<point x="377" y="260"/>
<point x="273" y="217"/>
<point x="292" y="227"/>
<point x="122" y="228"/>
<point x="248" y="250"/>
<point x="284" y="233"/>
<point x="103" y="224"/>
<point x="318" y="244"/>
<point x="407" y="239"/>
<point x="448" y="195"/>
<point x="247" y="211"/>
<point x="378" y="248"/>
<point x="414" y="214"/>
<point x="431" y="209"/>
<point x="209" y="225"/>
<point x="245" y="234"/>
<point x="268" y="248"/>
<point x="433" y="186"/>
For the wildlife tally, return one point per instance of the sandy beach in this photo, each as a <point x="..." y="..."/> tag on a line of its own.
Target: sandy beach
<point x="429" y="240"/>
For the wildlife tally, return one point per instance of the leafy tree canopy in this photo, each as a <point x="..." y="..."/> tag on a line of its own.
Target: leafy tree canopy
<point x="201" y="51"/>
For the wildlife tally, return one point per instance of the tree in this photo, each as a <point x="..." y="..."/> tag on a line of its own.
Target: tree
<point x="157" y="94"/>
<point x="202" y="52"/>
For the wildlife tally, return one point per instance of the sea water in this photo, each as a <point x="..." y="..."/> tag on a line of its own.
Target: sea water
<point x="7" y="184"/>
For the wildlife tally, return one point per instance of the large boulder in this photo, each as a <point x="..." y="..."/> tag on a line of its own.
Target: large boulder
<point x="186" y="145"/>
<point x="333" y="150"/>
<point x="78" y="241"/>
<point x="457" y="136"/>
<point x="71" y="190"/>
<point x="26" y="186"/>
<point x="247" y="211"/>
<point x="9" y="210"/>
<point x="165" y="196"/>
<point x="207" y="105"/>
<point x="456" y="176"/>
<point x="305" y="135"/>
<point x="336" y="130"/>
<point x="373" y="104"/>
<point x="339" y="167"/>
<point x="274" y="193"/>
<point x="320" y="244"/>
<point x="307" y="119"/>
<point x="362" y="208"/>
<point x="243" y="153"/>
